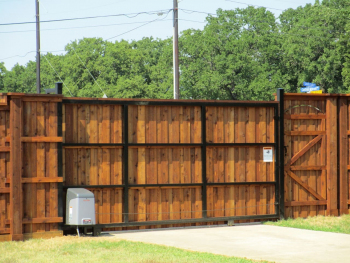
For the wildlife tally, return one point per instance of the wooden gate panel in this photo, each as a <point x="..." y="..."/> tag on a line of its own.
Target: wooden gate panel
<point x="310" y="174"/>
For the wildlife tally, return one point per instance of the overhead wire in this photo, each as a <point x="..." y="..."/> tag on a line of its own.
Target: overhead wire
<point x="22" y="56"/>
<point x="110" y="39"/>
<point x="129" y="15"/>
<point x="255" y="5"/>
<point x="58" y="75"/>
<point x="79" y="27"/>
<point x="188" y="11"/>
<point x="141" y="26"/>
<point x="89" y="72"/>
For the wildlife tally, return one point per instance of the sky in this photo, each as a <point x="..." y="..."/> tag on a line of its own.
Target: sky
<point x="18" y="42"/>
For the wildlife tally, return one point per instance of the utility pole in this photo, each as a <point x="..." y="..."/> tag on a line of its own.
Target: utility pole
<point x="37" y="47"/>
<point x="176" y="51"/>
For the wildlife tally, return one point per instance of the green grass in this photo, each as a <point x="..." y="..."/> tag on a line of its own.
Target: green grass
<point x="101" y="249"/>
<point x="319" y="223"/>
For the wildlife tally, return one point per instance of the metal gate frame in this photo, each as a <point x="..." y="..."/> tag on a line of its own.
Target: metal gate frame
<point x="278" y="149"/>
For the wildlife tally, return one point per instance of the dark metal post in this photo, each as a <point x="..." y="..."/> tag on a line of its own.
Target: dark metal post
<point x="125" y="164"/>
<point x="204" y="163"/>
<point x="58" y="87"/>
<point x="176" y="51"/>
<point x="280" y="98"/>
<point x="38" y="84"/>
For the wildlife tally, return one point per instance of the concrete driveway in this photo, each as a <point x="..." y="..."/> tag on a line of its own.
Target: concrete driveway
<point x="259" y="242"/>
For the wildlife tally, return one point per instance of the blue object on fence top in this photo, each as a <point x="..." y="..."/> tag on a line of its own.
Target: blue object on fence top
<point x="307" y="89"/>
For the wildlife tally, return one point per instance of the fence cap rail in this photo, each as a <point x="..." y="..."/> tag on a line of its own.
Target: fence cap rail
<point x="32" y="95"/>
<point x="170" y="102"/>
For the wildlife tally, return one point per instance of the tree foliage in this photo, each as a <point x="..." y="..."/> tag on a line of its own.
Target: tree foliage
<point x="241" y="54"/>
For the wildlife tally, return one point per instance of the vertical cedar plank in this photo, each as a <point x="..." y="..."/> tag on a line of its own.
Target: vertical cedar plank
<point x="40" y="164"/>
<point x="16" y="169"/>
<point x="251" y="162"/>
<point x="288" y="144"/>
<point x="174" y="127"/>
<point x="141" y="135"/>
<point x="332" y="156"/>
<point x="343" y="156"/>
<point x="53" y="171"/>
<point x="32" y="171"/>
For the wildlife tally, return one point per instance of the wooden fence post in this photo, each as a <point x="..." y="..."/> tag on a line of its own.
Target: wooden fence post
<point x="332" y="158"/>
<point x="16" y="203"/>
<point x="343" y="155"/>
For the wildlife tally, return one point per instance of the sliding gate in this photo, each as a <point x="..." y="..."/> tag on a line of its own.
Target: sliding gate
<point x="165" y="162"/>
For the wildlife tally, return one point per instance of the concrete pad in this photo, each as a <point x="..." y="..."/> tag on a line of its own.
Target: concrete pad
<point x="259" y="242"/>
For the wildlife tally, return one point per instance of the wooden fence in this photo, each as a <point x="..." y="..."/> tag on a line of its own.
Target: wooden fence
<point x="29" y="179"/>
<point x="171" y="163"/>
<point x="153" y="163"/>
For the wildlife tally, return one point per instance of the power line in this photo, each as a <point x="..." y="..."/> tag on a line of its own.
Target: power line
<point x="187" y="11"/>
<point x="58" y="75"/>
<point x="105" y="40"/>
<point x="255" y="5"/>
<point x="22" y="56"/>
<point x="140" y="26"/>
<point x="130" y="15"/>
<point x="80" y="27"/>
<point x="104" y="94"/>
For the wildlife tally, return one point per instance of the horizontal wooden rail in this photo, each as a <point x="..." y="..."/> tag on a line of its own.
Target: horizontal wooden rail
<point x="165" y="187"/>
<point x="42" y="180"/>
<point x="42" y="220"/>
<point x="38" y="220"/>
<point x="92" y="147"/>
<point x="5" y="148"/>
<point x="4" y="230"/>
<point x="37" y="99"/>
<point x="41" y="139"/>
<point x="308" y="168"/>
<point x="304" y="116"/>
<point x="296" y="133"/>
<point x="306" y="203"/>
<point x="4" y="190"/>
<point x="38" y="180"/>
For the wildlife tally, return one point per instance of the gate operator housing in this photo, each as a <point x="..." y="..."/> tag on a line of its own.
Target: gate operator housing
<point x="80" y="207"/>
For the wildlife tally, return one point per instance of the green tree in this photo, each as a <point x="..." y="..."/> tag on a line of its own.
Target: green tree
<point x="311" y="45"/>
<point x="3" y="72"/>
<point x="236" y="56"/>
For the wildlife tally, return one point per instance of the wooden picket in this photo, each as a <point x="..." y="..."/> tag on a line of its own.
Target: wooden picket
<point x="4" y="170"/>
<point x="344" y="154"/>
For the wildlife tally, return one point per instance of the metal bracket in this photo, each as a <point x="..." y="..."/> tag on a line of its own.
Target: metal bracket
<point x="56" y="90"/>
